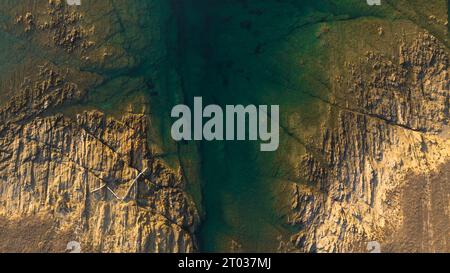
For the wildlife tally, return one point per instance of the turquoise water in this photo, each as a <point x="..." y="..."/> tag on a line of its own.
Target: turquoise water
<point x="234" y="52"/>
<point x="251" y="52"/>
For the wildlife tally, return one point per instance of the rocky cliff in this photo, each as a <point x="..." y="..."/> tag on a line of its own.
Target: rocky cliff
<point x="82" y="174"/>
<point x="380" y="171"/>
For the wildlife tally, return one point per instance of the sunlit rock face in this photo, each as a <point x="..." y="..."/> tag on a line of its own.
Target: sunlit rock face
<point x="381" y="173"/>
<point x="85" y="175"/>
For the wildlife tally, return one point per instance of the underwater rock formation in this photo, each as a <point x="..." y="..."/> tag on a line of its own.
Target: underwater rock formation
<point x="85" y="99"/>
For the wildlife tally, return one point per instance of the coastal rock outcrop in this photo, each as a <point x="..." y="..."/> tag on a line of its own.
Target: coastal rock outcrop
<point x="388" y="124"/>
<point x="71" y="172"/>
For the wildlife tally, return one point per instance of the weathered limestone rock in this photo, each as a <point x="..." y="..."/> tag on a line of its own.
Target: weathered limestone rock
<point x="389" y="126"/>
<point x="82" y="174"/>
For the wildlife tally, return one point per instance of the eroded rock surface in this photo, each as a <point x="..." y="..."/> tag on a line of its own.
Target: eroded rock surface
<point x="82" y="174"/>
<point x="391" y="117"/>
